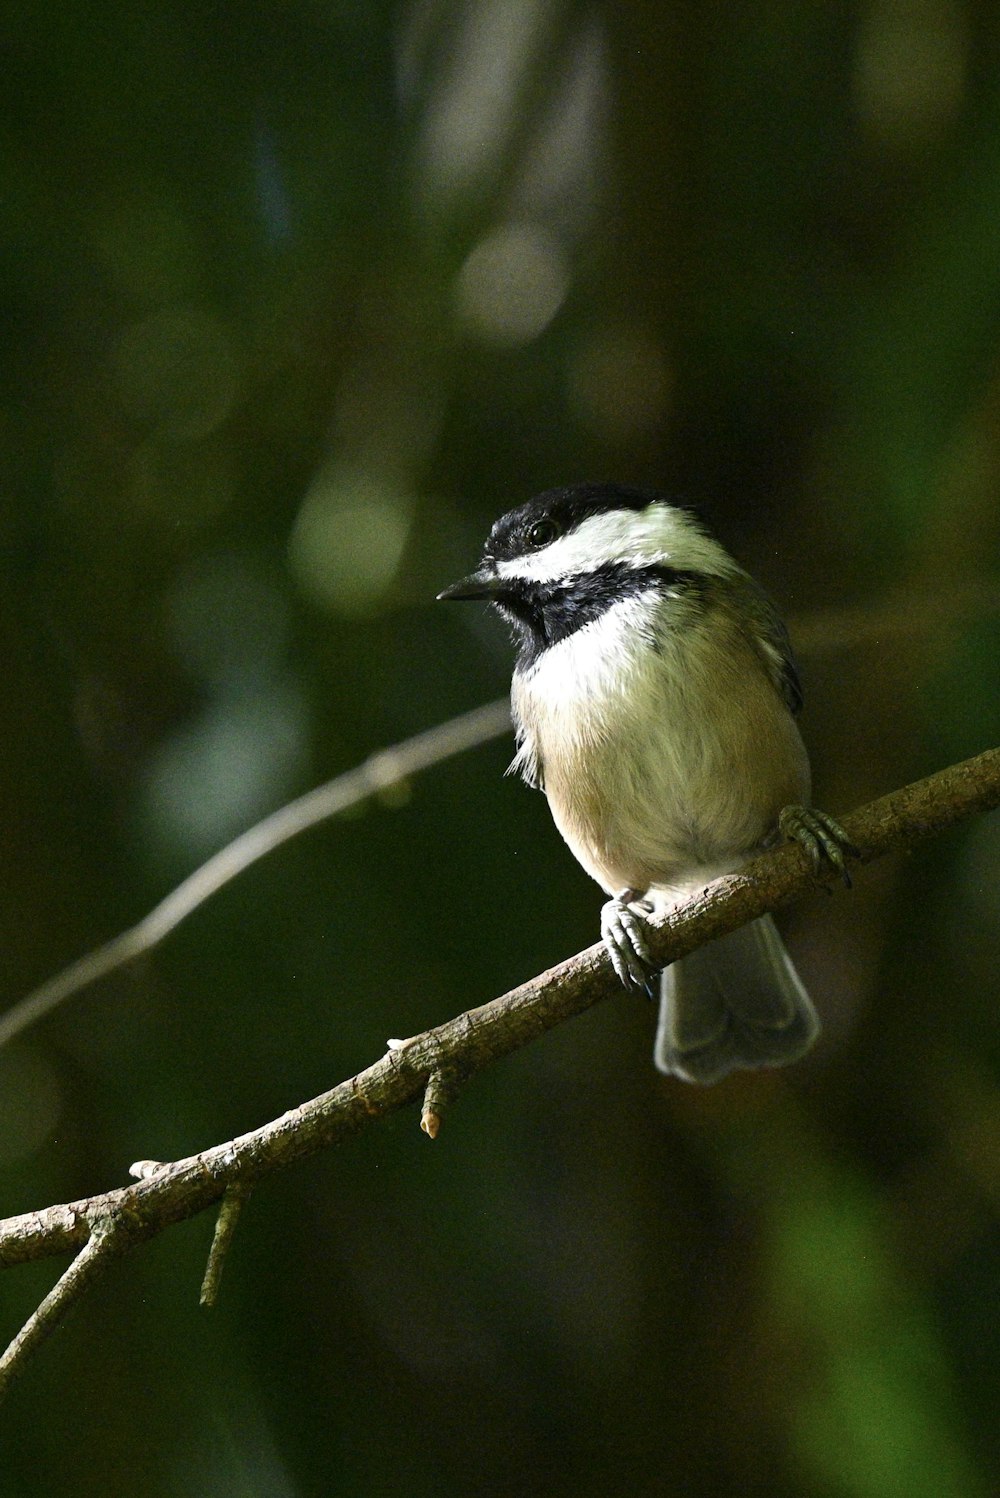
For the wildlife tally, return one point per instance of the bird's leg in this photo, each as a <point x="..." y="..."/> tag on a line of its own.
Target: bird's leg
<point x="821" y="837"/>
<point x="623" y="929"/>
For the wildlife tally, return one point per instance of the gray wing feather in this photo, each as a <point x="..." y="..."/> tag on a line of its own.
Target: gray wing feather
<point x="779" y="658"/>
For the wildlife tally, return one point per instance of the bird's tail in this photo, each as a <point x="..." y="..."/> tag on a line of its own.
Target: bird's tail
<point x="735" y="1002"/>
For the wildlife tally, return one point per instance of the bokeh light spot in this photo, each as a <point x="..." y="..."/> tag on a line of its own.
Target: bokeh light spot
<point x="473" y="99"/>
<point x="217" y="775"/>
<point x="348" y="541"/>
<point x="910" y="72"/>
<point x="513" y="284"/>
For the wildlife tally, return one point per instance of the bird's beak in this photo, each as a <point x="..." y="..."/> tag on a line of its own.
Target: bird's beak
<point x="481" y="584"/>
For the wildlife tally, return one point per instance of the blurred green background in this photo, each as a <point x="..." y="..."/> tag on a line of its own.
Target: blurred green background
<point x="297" y="296"/>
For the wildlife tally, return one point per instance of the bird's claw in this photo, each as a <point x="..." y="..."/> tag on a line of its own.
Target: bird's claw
<point x="821" y="838"/>
<point x="623" y="930"/>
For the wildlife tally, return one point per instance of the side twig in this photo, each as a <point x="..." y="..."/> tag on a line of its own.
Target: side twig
<point x="225" y="1227"/>
<point x="118" y="1220"/>
<point x="441" y="1090"/>
<point x="104" y="1243"/>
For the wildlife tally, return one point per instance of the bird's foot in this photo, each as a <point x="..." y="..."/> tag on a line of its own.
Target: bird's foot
<point x="623" y="929"/>
<point x="821" y="838"/>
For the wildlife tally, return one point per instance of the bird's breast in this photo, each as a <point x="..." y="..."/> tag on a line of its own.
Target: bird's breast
<point x="666" y="755"/>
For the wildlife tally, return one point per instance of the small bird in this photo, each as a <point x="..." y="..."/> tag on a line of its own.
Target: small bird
<point x="654" y="701"/>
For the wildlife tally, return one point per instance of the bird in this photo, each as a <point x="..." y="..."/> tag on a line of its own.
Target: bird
<point x="655" y="700"/>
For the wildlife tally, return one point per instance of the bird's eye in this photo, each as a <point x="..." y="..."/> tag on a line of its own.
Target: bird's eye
<point x="543" y="532"/>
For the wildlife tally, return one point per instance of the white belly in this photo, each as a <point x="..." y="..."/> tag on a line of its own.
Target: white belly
<point x="663" y="767"/>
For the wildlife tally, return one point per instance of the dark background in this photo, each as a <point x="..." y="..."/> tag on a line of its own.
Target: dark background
<point x="297" y="297"/>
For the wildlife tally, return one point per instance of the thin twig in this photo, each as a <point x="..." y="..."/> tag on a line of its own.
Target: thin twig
<point x="441" y="1091"/>
<point x="225" y="1227"/>
<point x="103" y="1244"/>
<point x="378" y="773"/>
<point x="474" y="1040"/>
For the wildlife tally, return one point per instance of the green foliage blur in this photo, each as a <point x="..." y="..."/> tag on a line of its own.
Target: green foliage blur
<point x="297" y="296"/>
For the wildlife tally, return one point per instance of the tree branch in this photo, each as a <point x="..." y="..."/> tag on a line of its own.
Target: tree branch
<point x="444" y="1056"/>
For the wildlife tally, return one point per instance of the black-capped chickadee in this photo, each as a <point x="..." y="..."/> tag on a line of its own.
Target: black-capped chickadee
<point x="654" y="701"/>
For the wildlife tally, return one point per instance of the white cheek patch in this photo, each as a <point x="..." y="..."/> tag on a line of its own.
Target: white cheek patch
<point x="637" y="538"/>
